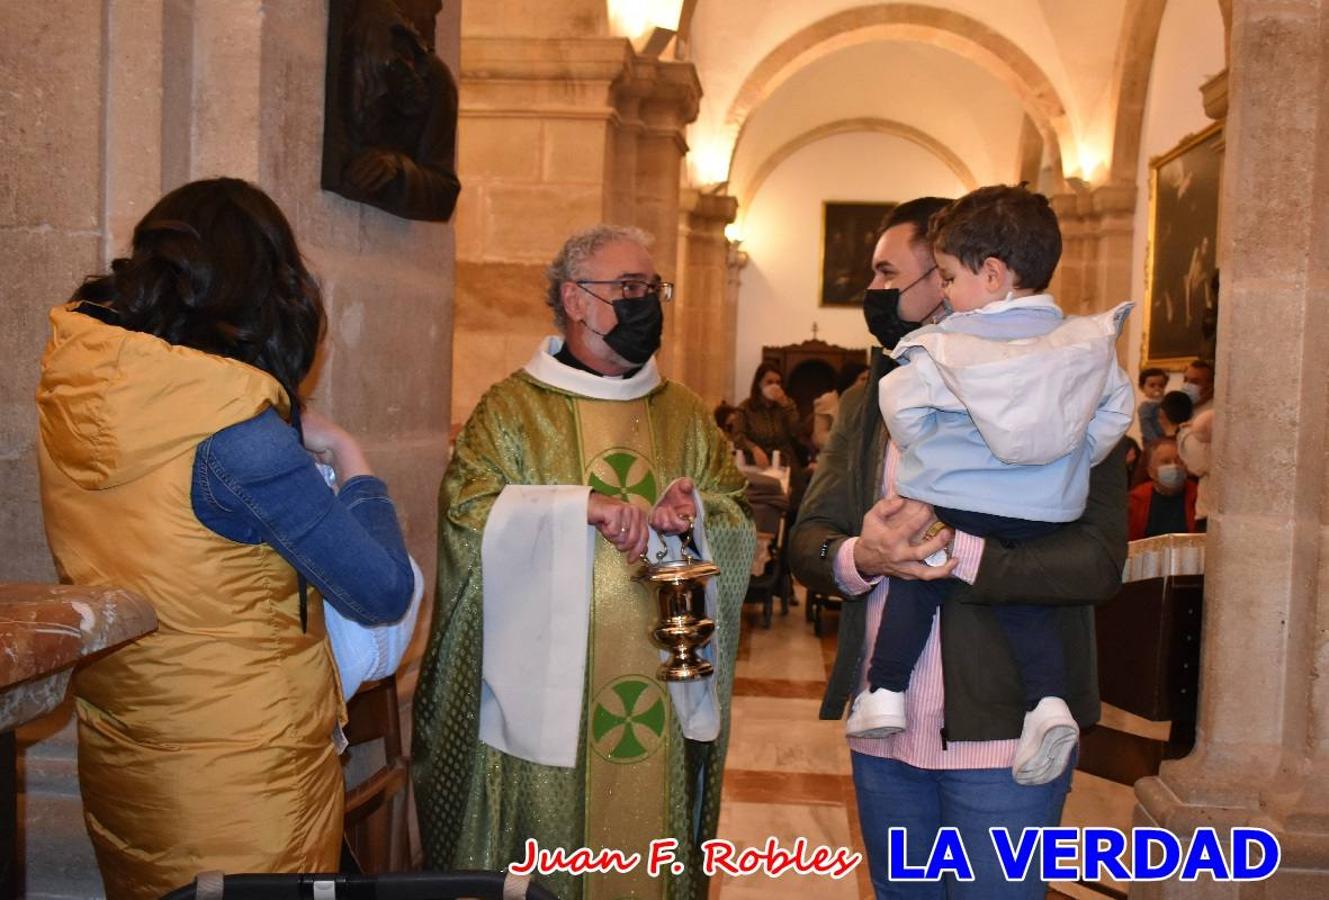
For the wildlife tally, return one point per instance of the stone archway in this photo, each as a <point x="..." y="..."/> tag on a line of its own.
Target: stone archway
<point x="1131" y="75"/>
<point x="685" y="14"/>
<point x="748" y="190"/>
<point x="937" y="27"/>
<point x="1131" y="72"/>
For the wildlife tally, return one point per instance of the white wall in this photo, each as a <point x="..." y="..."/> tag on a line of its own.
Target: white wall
<point x="974" y="115"/>
<point x="1071" y="41"/>
<point x="781" y="285"/>
<point x="1189" y="53"/>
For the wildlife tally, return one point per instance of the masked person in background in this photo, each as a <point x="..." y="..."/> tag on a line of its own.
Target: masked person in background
<point x="1198" y="383"/>
<point x="768" y="422"/>
<point x="539" y="714"/>
<point x="1165" y="504"/>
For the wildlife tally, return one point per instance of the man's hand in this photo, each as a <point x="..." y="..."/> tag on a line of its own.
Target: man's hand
<point x="622" y="524"/>
<point x="676" y="510"/>
<point x="886" y="545"/>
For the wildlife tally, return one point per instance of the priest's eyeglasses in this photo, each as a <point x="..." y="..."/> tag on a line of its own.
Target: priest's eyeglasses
<point x="630" y="289"/>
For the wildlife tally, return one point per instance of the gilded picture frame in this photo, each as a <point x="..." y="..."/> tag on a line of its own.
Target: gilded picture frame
<point x="1182" y="260"/>
<point x="848" y="235"/>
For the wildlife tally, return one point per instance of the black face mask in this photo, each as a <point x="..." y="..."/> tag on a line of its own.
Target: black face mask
<point x="881" y="309"/>
<point x="636" y="337"/>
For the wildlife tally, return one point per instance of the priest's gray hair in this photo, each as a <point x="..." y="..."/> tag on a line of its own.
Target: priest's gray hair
<point x="570" y="264"/>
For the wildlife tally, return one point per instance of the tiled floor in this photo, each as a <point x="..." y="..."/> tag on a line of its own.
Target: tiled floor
<point x="788" y="775"/>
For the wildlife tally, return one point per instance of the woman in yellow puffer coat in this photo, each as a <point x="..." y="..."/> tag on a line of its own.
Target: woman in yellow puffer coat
<point x="172" y="464"/>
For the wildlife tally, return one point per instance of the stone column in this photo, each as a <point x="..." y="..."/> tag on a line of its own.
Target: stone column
<point x="557" y="133"/>
<point x="736" y="261"/>
<point x="671" y="96"/>
<point x="1113" y="207"/>
<point x="1072" y="283"/>
<point x="1262" y="749"/>
<point x="707" y="332"/>
<point x="1097" y="229"/>
<point x="1113" y="216"/>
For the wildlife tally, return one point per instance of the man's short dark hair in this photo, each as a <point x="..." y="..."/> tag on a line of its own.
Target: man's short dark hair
<point x="1202" y="364"/>
<point x="1152" y="372"/>
<point x="917" y="212"/>
<point x="1177" y="406"/>
<point x="1012" y="224"/>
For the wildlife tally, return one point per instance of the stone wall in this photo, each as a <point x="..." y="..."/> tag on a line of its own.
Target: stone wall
<point x="107" y="105"/>
<point x="1261" y="754"/>
<point x="562" y="126"/>
<point x="51" y="228"/>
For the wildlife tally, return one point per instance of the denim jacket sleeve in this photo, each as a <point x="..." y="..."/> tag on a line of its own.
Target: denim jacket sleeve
<point x="254" y="483"/>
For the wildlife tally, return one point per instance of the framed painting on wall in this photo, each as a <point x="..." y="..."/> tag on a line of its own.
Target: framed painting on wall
<point x="1183" y="251"/>
<point x="848" y="234"/>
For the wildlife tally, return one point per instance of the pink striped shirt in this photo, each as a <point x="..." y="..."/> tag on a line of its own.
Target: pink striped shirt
<point x="920" y="744"/>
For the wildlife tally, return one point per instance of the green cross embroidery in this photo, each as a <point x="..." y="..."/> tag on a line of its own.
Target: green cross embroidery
<point x="628" y="720"/>
<point x="617" y="482"/>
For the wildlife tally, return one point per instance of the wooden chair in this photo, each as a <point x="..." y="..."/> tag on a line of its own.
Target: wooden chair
<point x="770" y="579"/>
<point x="376" y="809"/>
<point x="818" y="603"/>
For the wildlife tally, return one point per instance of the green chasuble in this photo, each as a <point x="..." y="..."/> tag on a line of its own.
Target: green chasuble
<point x="636" y="777"/>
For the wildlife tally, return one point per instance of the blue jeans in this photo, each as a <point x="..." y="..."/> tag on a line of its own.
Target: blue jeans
<point x="892" y="794"/>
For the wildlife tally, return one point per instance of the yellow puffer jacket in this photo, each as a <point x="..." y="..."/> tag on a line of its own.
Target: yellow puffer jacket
<point x="208" y="743"/>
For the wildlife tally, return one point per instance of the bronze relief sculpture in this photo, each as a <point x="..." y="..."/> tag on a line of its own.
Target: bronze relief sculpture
<point x="390" y="124"/>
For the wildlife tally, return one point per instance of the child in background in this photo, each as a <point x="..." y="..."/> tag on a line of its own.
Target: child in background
<point x="1174" y="411"/>
<point x="998" y="413"/>
<point x="1153" y="383"/>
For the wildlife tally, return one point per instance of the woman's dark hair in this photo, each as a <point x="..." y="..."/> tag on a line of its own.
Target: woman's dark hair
<point x="755" y="396"/>
<point x="215" y="267"/>
<point x="722" y="413"/>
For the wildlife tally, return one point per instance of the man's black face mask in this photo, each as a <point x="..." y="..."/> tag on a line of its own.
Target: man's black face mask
<point x="881" y="308"/>
<point x="636" y="337"/>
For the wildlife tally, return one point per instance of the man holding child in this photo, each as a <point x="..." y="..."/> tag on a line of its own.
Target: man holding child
<point x="965" y="703"/>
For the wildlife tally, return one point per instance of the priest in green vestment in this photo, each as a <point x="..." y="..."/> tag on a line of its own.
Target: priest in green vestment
<point x="539" y="714"/>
